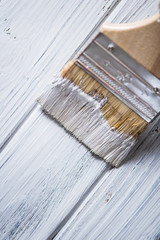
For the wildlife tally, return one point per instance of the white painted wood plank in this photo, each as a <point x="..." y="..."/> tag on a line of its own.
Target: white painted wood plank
<point x="126" y="205"/>
<point x="36" y="39"/>
<point x="128" y="11"/>
<point x="44" y="172"/>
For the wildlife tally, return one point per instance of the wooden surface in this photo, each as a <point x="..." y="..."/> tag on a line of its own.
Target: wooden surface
<point x="51" y="185"/>
<point x="125" y="205"/>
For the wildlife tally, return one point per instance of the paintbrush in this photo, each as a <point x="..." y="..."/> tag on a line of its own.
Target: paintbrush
<point x="109" y="95"/>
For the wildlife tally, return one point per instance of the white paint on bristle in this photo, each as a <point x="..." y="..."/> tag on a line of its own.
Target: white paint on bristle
<point x="81" y="114"/>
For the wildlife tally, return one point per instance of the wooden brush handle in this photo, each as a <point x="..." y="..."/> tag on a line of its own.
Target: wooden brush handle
<point x="141" y="40"/>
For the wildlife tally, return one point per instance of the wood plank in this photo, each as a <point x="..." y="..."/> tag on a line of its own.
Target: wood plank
<point x="44" y="172"/>
<point x="126" y="205"/>
<point x="48" y="179"/>
<point x="36" y="40"/>
<point x="130" y="11"/>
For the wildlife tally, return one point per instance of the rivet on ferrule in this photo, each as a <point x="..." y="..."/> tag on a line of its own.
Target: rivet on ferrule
<point x="157" y="91"/>
<point x="110" y="47"/>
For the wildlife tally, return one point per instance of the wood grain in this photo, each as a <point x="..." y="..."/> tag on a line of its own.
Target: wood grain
<point x="36" y="40"/>
<point x="46" y="175"/>
<point x="44" y="172"/>
<point x="126" y="204"/>
<point x="33" y="46"/>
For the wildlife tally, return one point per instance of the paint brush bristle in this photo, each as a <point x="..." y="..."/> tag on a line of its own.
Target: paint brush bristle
<point x="117" y="114"/>
<point x="108" y="96"/>
<point x="94" y="115"/>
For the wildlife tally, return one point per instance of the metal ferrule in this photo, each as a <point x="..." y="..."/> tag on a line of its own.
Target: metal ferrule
<point x="124" y="77"/>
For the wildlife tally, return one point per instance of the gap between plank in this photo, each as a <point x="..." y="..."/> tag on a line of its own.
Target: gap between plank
<point x="33" y="106"/>
<point x="18" y="125"/>
<point x="98" y="181"/>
